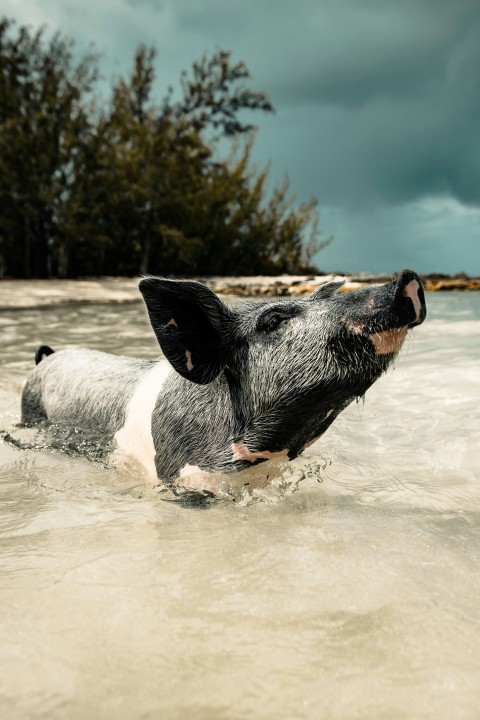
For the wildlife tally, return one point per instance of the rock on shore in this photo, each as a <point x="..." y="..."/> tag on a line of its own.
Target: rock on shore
<point x="294" y="285"/>
<point x="18" y="294"/>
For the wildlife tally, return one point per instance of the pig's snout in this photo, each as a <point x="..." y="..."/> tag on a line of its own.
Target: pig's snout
<point x="396" y="307"/>
<point x="409" y="299"/>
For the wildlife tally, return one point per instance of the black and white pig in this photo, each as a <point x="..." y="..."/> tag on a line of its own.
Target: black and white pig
<point x="237" y="387"/>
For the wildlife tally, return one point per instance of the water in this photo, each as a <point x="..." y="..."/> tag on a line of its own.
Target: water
<point x="356" y="597"/>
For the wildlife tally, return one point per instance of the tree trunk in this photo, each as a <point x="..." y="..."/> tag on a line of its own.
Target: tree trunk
<point x="27" y="271"/>
<point x="63" y="259"/>
<point x="145" y="259"/>
<point x="41" y="255"/>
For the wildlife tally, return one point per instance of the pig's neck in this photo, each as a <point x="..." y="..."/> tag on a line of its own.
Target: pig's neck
<point x="192" y="425"/>
<point x="213" y="428"/>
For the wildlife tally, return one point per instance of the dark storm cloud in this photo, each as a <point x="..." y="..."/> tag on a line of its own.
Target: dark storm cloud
<point x="378" y="101"/>
<point x="383" y="97"/>
<point x="345" y="52"/>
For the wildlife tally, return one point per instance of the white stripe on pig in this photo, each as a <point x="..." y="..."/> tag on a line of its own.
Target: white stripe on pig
<point x="135" y="437"/>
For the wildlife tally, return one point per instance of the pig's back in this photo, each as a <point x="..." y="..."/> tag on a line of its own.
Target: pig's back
<point x="86" y="388"/>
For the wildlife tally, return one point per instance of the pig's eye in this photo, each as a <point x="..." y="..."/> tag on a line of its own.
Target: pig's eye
<point x="270" y="323"/>
<point x="271" y="319"/>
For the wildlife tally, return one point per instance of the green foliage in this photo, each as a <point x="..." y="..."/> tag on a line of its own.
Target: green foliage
<point x="43" y="124"/>
<point x="133" y="186"/>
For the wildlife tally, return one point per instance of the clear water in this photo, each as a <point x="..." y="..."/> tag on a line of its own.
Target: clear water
<point x="357" y="596"/>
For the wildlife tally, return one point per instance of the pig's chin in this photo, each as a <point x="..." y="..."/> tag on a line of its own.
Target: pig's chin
<point x="388" y="342"/>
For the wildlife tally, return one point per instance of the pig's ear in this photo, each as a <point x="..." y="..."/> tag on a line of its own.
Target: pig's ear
<point x="190" y="323"/>
<point x="326" y="290"/>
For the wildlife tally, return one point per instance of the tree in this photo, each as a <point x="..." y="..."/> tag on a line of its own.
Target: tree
<point x="43" y="124"/>
<point x="134" y="186"/>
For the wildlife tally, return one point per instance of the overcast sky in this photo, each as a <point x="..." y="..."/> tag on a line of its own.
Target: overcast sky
<point x="377" y="107"/>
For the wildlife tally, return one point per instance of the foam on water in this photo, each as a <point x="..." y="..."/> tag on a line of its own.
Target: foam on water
<point x="357" y="596"/>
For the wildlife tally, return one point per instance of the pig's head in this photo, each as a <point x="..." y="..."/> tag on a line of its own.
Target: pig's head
<point x="291" y="365"/>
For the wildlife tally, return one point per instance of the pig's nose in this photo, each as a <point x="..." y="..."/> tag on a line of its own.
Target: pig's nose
<point x="409" y="299"/>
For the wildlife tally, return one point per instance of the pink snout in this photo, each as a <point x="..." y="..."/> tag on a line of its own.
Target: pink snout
<point x="409" y="299"/>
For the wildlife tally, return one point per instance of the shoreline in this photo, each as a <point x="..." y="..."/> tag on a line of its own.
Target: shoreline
<point x="24" y="294"/>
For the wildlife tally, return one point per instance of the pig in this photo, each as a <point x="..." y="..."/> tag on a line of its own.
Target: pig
<point x="237" y="387"/>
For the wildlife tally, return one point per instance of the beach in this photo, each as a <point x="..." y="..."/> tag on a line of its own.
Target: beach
<point x="23" y="294"/>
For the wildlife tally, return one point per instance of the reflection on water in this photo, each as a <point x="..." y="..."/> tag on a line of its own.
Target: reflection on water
<point x="358" y="596"/>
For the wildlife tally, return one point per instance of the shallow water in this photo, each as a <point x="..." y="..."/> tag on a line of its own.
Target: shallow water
<point x="357" y="596"/>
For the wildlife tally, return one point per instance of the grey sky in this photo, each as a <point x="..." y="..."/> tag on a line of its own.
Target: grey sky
<point x="378" y="107"/>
